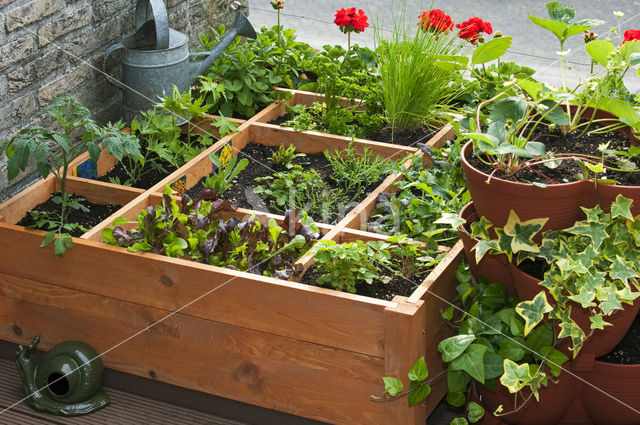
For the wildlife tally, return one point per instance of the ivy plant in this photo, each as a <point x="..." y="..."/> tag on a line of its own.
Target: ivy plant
<point x="491" y="345"/>
<point x="53" y="151"/>
<point x="593" y="264"/>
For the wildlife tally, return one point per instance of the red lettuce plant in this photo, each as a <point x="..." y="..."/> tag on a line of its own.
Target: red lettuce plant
<point x="194" y="230"/>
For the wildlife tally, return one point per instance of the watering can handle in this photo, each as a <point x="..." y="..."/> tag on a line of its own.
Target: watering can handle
<point x="159" y="16"/>
<point x="108" y="52"/>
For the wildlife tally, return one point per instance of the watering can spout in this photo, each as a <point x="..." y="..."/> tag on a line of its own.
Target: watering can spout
<point x="242" y="27"/>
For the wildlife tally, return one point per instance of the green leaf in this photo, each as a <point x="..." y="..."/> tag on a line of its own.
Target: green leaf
<point x="515" y="376"/>
<point x="62" y="243"/>
<point x="459" y="421"/>
<point x="600" y="51"/>
<point x="475" y="412"/>
<point x="452" y="347"/>
<point x="523" y="232"/>
<point x="483" y="246"/>
<point x="556" y="27"/>
<point x="418" y="395"/>
<point x="533" y="311"/>
<point x="48" y="238"/>
<point x="418" y="371"/>
<point x="595" y="231"/>
<point x="471" y="361"/>
<point x="491" y="50"/>
<point x="392" y="386"/>
<point x="561" y="12"/>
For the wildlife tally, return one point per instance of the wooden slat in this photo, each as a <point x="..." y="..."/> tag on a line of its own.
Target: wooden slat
<point x="101" y="192"/>
<point x="288" y="375"/>
<point x="270" y="113"/>
<point x="237" y="298"/>
<point x="315" y="142"/>
<point x="12" y="210"/>
<point x="403" y="328"/>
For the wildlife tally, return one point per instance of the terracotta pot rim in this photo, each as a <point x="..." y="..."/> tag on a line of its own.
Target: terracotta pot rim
<point x="604" y="364"/>
<point x="467" y="150"/>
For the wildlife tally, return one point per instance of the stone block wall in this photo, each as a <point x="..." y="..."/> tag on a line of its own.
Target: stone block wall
<point x="50" y="48"/>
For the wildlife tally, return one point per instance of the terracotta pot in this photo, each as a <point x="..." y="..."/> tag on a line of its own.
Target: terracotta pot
<point x="554" y="402"/>
<point x="559" y="202"/>
<point x="616" y="384"/>
<point x="602" y="341"/>
<point x="493" y="267"/>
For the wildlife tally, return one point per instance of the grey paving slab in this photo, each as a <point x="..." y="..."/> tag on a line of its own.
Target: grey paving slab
<point x="532" y="46"/>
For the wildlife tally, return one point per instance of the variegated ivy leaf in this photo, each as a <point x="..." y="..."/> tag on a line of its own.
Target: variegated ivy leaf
<point x="483" y="246"/>
<point x="553" y="283"/>
<point x="570" y="265"/>
<point x="622" y="270"/>
<point x="515" y="376"/>
<point x="595" y="231"/>
<point x="594" y="279"/>
<point x="625" y="295"/>
<point x="597" y="322"/>
<point x="608" y="298"/>
<point x="480" y="228"/>
<point x="569" y="329"/>
<point x="533" y="311"/>
<point x="584" y="298"/>
<point x="634" y="230"/>
<point x="585" y="258"/>
<point x="523" y="232"/>
<point x="621" y="208"/>
<point x="451" y="219"/>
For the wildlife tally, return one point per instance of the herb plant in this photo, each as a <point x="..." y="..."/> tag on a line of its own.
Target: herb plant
<point x="428" y="200"/>
<point x="220" y="180"/>
<point x="53" y="151"/>
<point x="194" y="230"/>
<point x="356" y="171"/>
<point x="282" y="159"/>
<point x="415" y="91"/>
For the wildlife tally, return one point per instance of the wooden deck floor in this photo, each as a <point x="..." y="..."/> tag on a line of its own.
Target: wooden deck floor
<point x="125" y="408"/>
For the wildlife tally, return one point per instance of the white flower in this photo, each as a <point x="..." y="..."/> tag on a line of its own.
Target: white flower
<point x="618" y="13"/>
<point x="565" y="53"/>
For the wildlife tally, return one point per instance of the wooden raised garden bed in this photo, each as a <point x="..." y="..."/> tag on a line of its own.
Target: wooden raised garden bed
<point x="284" y="345"/>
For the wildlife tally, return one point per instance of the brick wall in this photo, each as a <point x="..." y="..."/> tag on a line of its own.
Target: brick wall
<point x="53" y="47"/>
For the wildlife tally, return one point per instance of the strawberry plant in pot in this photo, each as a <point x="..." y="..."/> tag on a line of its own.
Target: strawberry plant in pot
<point x="508" y="165"/>
<point x="588" y="271"/>
<point x="53" y="151"/>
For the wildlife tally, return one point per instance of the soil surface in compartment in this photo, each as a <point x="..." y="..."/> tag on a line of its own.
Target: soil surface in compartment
<point x="241" y="192"/>
<point x="628" y="350"/>
<point x="151" y="176"/>
<point x="381" y="290"/>
<point x="567" y="171"/>
<point x="96" y="214"/>
<point x="406" y="137"/>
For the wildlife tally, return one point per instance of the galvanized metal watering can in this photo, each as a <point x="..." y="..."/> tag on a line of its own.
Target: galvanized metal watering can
<point x="157" y="57"/>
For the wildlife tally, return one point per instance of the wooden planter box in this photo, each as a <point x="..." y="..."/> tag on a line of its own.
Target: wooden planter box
<point x="300" y="349"/>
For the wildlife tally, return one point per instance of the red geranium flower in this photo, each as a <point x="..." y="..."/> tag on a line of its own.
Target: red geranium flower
<point x="630" y="35"/>
<point x="348" y="20"/>
<point x="470" y="30"/>
<point x="435" y="20"/>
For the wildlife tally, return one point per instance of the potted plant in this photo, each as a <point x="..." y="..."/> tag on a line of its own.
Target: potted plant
<point x="508" y="147"/>
<point x="589" y="271"/>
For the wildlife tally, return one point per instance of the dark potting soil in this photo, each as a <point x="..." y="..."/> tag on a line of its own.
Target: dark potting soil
<point x="241" y="191"/>
<point x="628" y="350"/>
<point x="567" y="171"/>
<point x="150" y="178"/>
<point x="385" y="134"/>
<point x="534" y="268"/>
<point x="97" y="213"/>
<point x="378" y="289"/>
